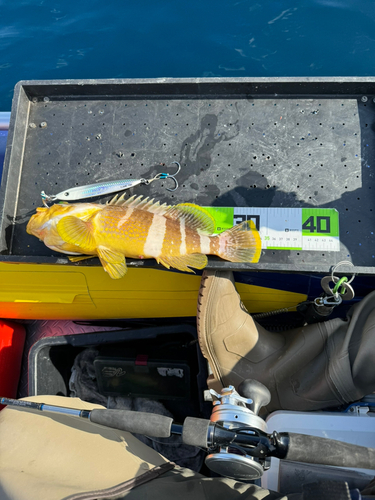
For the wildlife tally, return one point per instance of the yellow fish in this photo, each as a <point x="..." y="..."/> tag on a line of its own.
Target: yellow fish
<point x="177" y="236"/>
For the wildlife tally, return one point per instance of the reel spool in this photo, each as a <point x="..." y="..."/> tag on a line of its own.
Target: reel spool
<point x="235" y="411"/>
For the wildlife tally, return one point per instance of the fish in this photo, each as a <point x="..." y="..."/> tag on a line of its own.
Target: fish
<point x="177" y="236"/>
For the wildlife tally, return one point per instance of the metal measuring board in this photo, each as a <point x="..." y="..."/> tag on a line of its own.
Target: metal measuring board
<point x="285" y="228"/>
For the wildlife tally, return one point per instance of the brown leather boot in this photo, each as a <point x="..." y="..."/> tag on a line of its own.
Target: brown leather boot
<point x="317" y="366"/>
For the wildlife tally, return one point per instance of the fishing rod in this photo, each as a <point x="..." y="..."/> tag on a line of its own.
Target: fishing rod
<point x="236" y="438"/>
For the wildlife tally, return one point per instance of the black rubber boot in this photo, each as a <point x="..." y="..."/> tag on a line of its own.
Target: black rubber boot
<point x="318" y="366"/>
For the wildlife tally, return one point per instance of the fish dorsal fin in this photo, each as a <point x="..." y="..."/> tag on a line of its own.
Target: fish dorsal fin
<point x="113" y="200"/>
<point x="195" y="217"/>
<point x="141" y="203"/>
<point x="120" y="201"/>
<point x="75" y="231"/>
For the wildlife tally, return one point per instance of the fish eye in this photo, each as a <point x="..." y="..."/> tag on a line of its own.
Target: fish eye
<point x="66" y="193"/>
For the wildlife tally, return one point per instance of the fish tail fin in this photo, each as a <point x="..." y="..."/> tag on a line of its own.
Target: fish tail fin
<point x="240" y="243"/>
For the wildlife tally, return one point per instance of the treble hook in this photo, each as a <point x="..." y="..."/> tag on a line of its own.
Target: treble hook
<point x="162" y="175"/>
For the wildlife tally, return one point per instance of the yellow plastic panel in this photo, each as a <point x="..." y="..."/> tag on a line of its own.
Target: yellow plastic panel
<point x="263" y="299"/>
<point x="37" y="291"/>
<point x="38" y="287"/>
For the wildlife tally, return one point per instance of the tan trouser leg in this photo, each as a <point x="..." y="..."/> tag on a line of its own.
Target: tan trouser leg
<point x="49" y="456"/>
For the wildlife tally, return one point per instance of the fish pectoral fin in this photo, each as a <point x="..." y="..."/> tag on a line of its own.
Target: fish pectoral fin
<point x="185" y="262"/>
<point x="75" y="231"/>
<point x="81" y="257"/>
<point x="113" y="262"/>
<point x="195" y="217"/>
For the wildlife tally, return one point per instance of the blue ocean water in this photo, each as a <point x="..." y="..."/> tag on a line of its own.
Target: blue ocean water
<point x="55" y="39"/>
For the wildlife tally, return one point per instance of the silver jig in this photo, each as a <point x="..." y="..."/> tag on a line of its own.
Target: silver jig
<point x="103" y="188"/>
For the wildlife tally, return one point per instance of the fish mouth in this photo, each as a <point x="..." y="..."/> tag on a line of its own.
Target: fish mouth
<point x="34" y="232"/>
<point x="29" y="228"/>
<point x="36" y="224"/>
<point x="31" y="225"/>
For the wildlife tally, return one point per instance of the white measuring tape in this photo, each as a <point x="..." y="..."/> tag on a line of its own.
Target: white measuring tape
<point x="286" y="228"/>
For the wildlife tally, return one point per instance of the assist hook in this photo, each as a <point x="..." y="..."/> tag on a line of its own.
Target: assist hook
<point x="163" y="175"/>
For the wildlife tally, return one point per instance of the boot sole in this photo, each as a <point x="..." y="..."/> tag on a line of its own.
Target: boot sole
<point x="207" y="283"/>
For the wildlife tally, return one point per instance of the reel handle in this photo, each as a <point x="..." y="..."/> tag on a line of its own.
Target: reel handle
<point x="252" y="389"/>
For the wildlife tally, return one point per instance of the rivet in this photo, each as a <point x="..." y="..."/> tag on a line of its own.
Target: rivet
<point x="364" y="98"/>
<point x="32" y="125"/>
<point x="43" y="125"/>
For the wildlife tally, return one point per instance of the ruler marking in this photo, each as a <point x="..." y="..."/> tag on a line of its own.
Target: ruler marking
<point x="291" y="228"/>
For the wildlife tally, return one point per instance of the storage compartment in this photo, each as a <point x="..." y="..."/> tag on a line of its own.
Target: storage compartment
<point x="143" y="377"/>
<point x="163" y="363"/>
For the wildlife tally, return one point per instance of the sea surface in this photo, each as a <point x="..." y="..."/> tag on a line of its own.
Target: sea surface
<point x="49" y="39"/>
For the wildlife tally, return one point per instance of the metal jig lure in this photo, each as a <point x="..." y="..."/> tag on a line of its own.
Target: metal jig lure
<point x="103" y="188"/>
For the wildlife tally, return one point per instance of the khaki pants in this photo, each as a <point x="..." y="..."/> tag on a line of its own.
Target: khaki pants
<point x="53" y="457"/>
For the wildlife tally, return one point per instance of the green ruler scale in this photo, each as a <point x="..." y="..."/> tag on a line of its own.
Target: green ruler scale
<point x="285" y="228"/>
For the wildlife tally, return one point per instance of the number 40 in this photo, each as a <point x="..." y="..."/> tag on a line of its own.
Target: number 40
<point x="323" y="224"/>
